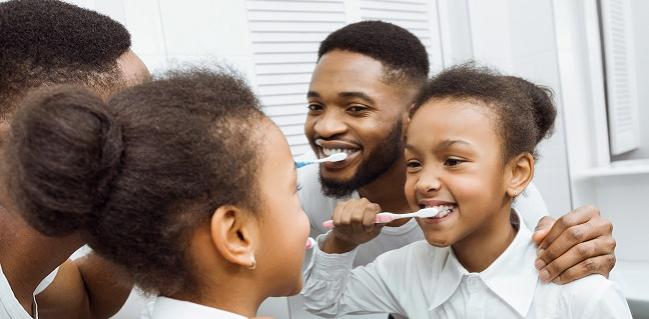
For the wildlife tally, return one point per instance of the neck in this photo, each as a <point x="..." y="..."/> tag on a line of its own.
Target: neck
<point x="387" y="191"/>
<point x="27" y="256"/>
<point x="477" y="251"/>
<point x="234" y="294"/>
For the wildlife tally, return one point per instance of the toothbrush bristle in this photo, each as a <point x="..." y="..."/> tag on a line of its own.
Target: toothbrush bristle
<point x="337" y="157"/>
<point x="433" y="211"/>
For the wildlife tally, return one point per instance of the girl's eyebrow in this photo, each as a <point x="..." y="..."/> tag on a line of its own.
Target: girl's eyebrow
<point x="442" y="145"/>
<point x="449" y="143"/>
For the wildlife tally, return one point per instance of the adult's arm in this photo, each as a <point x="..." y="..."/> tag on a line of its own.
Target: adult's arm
<point x="88" y="287"/>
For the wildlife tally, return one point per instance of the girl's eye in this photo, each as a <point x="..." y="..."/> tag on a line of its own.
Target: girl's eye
<point x="453" y="162"/>
<point x="413" y="165"/>
<point x="298" y="187"/>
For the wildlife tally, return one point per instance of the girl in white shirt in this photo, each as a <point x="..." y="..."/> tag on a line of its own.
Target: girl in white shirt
<point x="470" y="145"/>
<point x="182" y="181"/>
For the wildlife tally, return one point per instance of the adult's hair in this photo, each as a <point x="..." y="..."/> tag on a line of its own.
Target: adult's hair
<point x="524" y="111"/>
<point x="402" y="54"/>
<point x="45" y="42"/>
<point x="137" y="174"/>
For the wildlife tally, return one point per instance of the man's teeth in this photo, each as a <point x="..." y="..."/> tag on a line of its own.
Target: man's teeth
<point x="331" y="151"/>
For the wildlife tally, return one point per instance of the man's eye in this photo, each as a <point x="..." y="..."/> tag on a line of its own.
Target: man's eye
<point x="356" y="109"/>
<point x="315" y="107"/>
<point x="453" y="162"/>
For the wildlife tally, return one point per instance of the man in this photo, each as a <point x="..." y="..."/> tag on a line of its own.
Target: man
<point x="364" y="83"/>
<point x="48" y="42"/>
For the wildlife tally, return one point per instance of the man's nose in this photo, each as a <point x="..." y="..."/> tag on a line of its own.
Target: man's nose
<point x="329" y="124"/>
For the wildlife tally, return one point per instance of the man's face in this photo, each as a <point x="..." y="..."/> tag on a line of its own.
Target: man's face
<point x="353" y="110"/>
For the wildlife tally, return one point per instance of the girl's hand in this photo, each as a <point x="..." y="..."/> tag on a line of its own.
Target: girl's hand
<point x="576" y="245"/>
<point x="353" y="225"/>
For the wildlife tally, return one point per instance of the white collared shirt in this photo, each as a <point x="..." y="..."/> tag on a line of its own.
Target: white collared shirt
<point x="168" y="308"/>
<point x="422" y="281"/>
<point x="10" y="308"/>
<point x="320" y="208"/>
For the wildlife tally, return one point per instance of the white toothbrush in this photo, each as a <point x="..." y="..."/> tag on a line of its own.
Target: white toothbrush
<point x="331" y="158"/>
<point x="383" y="218"/>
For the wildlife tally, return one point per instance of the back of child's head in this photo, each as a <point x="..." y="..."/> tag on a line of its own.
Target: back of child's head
<point x="45" y="42"/>
<point x="524" y="112"/>
<point x="137" y="174"/>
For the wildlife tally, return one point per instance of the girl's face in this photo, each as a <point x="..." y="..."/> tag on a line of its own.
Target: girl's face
<point x="284" y="227"/>
<point x="453" y="156"/>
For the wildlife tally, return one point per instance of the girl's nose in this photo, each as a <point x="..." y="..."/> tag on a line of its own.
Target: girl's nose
<point x="428" y="184"/>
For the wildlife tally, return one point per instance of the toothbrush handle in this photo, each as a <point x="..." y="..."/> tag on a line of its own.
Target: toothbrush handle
<point x="381" y="218"/>
<point x="302" y="164"/>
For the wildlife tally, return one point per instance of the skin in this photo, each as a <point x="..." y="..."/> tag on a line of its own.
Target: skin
<point x="83" y="288"/>
<point x="275" y="234"/>
<point x="451" y="161"/>
<point x="576" y="245"/>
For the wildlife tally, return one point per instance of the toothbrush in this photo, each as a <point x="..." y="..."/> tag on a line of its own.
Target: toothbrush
<point x="383" y="218"/>
<point x="331" y="158"/>
<point x="310" y="243"/>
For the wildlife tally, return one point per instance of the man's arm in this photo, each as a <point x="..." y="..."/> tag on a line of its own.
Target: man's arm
<point x="574" y="246"/>
<point x="89" y="287"/>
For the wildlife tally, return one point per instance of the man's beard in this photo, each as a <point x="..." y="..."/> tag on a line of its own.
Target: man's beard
<point x="384" y="155"/>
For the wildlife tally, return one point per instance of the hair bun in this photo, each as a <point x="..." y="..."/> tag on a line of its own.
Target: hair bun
<point x="63" y="152"/>
<point x="543" y="110"/>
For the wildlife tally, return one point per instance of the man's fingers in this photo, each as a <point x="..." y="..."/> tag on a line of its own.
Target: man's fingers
<point x="570" y="238"/>
<point x="573" y="218"/>
<point x="572" y="262"/>
<point x="542" y="229"/>
<point x="596" y="265"/>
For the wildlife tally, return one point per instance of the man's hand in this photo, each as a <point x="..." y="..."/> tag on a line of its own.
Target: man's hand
<point x="353" y="225"/>
<point x="576" y="245"/>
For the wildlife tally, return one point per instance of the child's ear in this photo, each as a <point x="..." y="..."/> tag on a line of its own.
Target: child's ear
<point x="234" y="234"/>
<point x="519" y="173"/>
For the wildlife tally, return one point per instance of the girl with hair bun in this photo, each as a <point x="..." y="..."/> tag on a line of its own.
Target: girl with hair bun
<point x="182" y="181"/>
<point x="470" y="148"/>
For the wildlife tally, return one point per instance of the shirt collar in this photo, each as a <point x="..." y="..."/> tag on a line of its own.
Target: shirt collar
<point x="514" y="265"/>
<point x="167" y="308"/>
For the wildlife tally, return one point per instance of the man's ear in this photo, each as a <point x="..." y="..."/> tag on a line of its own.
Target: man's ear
<point x="234" y="234"/>
<point x="519" y="172"/>
<point x="405" y="120"/>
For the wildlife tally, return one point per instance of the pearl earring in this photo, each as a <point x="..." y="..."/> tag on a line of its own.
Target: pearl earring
<point x="253" y="262"/>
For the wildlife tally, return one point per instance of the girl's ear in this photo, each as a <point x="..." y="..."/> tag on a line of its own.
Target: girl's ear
<point x="519" y="173"/>
<point x="234" y="235"/>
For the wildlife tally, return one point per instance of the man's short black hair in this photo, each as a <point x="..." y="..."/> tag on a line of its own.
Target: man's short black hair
<point x="49" y="41"/>
<point x="395" y="47"/>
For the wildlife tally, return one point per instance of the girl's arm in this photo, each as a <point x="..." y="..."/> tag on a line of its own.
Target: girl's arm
<point x="332" y="288"/>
